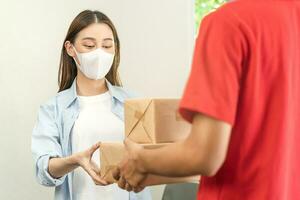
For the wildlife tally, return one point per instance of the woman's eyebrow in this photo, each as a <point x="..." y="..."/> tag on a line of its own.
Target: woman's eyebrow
<point x="89" y="38"/>
<point x="107" y="39"/>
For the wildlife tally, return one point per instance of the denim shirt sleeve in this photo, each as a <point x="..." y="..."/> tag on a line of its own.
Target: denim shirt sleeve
<point x="45" y="144"/>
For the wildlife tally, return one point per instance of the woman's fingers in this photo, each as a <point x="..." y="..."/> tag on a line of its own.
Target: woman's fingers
<point x="92" y="168"/>
<point x="94" y="148"/>
<point x="95" y="167"/>
<point x="95" y="176"/>
<point x="98" y="180"/>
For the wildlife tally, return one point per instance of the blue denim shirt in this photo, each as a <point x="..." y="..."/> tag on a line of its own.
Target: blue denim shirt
<point x="52" y="132"/>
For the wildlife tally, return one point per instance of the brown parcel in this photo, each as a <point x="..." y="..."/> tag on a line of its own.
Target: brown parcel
<point x="111" y="154"/>
<point x="154" y="121"/>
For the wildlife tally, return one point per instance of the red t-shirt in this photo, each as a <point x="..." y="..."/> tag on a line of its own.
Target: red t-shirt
<point x="246" y="72"/>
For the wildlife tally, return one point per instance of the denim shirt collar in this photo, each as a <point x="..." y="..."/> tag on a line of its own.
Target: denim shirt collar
<point x="72" y="93"/>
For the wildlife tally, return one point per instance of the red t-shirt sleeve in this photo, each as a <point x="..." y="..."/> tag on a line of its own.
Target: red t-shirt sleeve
<point x="214" y="82"/>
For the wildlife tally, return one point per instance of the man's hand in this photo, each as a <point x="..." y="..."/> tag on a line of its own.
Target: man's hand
<point x="130" y="172"/>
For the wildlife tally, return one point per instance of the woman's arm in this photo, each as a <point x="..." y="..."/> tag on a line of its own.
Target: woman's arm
<point x="58" y="167"/>
<point x="51" y="167"/>
<point x="45" y="144"/>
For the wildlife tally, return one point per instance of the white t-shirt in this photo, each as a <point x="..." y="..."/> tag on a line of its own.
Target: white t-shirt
<point x="95" y="123"/>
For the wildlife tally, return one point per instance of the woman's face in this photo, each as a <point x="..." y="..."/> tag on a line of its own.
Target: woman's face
<point x="97" y="35"/>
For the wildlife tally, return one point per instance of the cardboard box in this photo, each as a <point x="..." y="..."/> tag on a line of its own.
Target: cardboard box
<point x="154" y="121"/>
<point x="111" y="154"/>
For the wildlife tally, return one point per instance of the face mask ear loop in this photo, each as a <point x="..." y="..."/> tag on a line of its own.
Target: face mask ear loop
<point x="76" y="55"/>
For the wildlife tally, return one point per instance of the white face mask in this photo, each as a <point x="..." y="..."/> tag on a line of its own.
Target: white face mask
<point x="95" y="64"/>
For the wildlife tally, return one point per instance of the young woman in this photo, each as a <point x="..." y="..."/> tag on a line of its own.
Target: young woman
<point x="88" y="108"/>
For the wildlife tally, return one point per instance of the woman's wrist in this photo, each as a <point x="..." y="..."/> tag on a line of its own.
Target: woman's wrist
<point x="58" y="167"/>
<point x="73" y="160"/>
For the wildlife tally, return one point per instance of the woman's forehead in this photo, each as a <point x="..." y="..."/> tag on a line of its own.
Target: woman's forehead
<point x="96" y="31"/>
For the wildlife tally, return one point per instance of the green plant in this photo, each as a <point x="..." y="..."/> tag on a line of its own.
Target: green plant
<point x="203" y="7"/>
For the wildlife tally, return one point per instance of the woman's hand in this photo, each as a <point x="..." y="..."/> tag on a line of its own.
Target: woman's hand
<point x="84" y="159"/>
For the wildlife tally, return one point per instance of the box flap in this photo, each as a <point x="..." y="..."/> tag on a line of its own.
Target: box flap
<point x="135" y="111"/>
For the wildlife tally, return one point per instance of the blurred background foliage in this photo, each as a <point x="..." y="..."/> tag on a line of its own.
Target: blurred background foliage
<point x="203" y="7"/>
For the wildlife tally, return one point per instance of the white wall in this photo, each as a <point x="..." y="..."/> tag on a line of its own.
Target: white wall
<point x="157" y="43"/>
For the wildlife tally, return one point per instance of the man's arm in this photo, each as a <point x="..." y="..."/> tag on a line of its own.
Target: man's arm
<point x="203" y="152"/>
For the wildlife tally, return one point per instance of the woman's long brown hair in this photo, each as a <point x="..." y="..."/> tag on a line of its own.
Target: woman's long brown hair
<point x="67" y="66"/>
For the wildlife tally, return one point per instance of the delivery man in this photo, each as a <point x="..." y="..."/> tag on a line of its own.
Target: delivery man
<point x="243" y="100"/>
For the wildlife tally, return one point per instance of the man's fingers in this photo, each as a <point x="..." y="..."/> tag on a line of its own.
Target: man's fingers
<point x="116" y="173"/>
<point x="138" y="189"/>
<point x="128" y="143"/>
<point x="122" y="183"/>
<point x="128" y="188"/>
<point x="135" y="181"/>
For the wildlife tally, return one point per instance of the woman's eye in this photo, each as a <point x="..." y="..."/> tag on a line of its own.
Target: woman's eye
<point x="89" y="46"/>
<point x="107" y="47"/>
